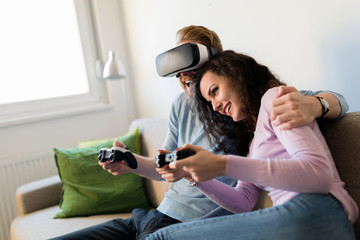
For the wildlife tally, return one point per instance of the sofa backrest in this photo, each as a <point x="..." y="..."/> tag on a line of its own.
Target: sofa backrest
<point x="343" y="139"/>
<point x="153" y="132"/>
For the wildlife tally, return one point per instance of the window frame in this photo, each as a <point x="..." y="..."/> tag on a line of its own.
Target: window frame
<point x="97" y="99"/>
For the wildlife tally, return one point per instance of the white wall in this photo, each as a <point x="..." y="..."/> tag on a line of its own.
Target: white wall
<point x="308" y="44"/>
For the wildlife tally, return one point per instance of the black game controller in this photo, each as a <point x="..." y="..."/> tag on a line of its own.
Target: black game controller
<point x="163" y="159"/>
<point x="117" y="154"/>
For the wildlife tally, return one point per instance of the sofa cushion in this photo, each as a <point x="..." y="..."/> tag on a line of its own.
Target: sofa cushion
<point x="40" y="225"/>
<point x="89" y="190"/>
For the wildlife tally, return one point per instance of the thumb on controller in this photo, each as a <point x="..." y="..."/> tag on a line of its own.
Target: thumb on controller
<point x="117" y="143"/>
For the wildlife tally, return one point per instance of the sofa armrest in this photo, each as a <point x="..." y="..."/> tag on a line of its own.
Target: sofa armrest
<point x="37" y="195"/>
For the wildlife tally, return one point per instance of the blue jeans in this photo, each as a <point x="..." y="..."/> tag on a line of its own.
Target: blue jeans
<point x="306" y="216"/>
<point x="140" y="225"/>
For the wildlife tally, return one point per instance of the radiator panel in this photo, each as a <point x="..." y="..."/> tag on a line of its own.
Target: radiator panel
<point x="14" y="172"/>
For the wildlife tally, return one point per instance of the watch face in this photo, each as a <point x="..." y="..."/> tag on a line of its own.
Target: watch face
<point x="326" y="104"/>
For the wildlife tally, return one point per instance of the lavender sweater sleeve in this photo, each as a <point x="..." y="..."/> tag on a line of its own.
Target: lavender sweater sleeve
<point x="241" y="198"/>
<point x="295" y="160"/>
<point x="283" y="162"/>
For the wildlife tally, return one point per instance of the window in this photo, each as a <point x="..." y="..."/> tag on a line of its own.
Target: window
<point x="48" y="55"/>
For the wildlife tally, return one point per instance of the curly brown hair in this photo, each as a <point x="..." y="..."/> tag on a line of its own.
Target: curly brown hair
<point x="251" y="80"/>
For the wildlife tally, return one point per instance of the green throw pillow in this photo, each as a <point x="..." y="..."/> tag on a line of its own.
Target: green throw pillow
<point x="91" y="143"/>
<point x="89" y="190"/>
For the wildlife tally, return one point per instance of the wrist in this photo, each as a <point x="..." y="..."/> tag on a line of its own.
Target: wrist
<point x="222" y="164"/>
<point x="187" y="176"/>
<point x="324" y="106"/>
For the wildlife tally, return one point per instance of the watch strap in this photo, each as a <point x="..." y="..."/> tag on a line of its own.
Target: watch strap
<point x="324" y="105"/>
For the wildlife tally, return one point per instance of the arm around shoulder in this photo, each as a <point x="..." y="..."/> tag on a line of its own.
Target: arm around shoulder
<point x="337" y="105"/>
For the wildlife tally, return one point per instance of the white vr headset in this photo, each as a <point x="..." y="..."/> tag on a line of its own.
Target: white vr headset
<point x="184" y="58"/>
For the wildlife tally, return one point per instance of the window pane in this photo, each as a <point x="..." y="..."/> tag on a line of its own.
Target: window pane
<point x="41" y="54"/>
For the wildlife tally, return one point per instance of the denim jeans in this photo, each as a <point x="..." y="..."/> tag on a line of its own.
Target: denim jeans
<point x="140" y="225"/>
<point x="306" y="216"/>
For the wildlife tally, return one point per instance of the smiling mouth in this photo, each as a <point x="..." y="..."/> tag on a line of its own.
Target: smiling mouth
<point x="189" y="83"/>
<point x="227" y="109"/>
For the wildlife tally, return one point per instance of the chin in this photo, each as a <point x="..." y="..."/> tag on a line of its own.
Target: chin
<point x="237" y="118"/>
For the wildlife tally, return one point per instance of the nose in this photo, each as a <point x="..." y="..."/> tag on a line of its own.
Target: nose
<point x="191" y="74"/>
<point x="216" y="105"/>
<point x="182" y="74"/>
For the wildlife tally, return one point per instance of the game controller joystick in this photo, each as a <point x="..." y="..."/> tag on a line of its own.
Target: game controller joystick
<point x="163" y="159"/>
<point x="117" y="154"/>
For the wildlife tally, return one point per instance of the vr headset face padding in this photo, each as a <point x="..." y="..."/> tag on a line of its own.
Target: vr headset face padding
<point x="186" y="57"/>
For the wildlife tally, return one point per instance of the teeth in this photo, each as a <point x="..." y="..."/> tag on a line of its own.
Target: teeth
<point x="227" y="109"/>
<point x="189" y="83"/>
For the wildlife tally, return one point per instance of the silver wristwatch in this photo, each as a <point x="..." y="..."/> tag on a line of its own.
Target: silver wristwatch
<point x="324" y="105"/>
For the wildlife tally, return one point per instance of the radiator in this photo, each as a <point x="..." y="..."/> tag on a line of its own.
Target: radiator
<point x="14" y="172"/>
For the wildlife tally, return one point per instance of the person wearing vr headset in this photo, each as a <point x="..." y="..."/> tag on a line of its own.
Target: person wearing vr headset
<point x="234" y="97"/>
<point x="183" y="203"/>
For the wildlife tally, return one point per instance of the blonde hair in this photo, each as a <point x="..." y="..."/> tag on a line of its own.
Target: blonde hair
<point x="199" y="34"/>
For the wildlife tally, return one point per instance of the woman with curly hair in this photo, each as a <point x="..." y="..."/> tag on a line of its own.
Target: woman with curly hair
<point x="233" y="97"/>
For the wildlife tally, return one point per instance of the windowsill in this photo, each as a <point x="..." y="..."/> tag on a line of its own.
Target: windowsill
<point x="54" y="114"/>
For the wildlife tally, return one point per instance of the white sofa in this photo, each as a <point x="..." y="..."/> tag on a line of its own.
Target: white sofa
<point x="37" y="202"/>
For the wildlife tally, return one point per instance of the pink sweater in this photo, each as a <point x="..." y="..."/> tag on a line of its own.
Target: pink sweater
<point x="283" y="162"/>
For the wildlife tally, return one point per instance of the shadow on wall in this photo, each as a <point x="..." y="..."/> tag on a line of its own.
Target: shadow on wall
<point x="340" y="62"/>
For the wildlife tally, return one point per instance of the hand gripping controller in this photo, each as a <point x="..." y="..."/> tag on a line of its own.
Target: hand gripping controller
<point x="163" y="159"/>
<point x="117" y="154"/>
